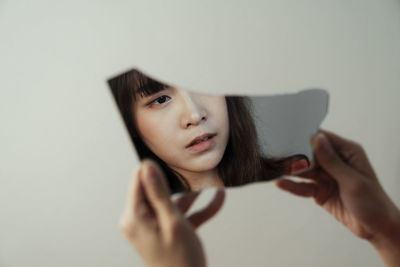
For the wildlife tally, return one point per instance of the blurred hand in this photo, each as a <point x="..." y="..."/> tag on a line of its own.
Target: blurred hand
<point x="344" y="183"/>
<point x="156" y="226"/>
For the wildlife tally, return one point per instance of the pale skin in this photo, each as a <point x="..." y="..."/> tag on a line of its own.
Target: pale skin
<point x="157" y="227"/>
<point x="170" y="119"/>
<point x="342" y="181"/>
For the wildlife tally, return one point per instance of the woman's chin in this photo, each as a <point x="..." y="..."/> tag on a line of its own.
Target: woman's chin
<point x="205" y="164"/>
<point x="200" y="163"/>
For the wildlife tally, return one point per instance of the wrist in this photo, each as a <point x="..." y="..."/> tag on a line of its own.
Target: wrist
<point x="387" y="242"/>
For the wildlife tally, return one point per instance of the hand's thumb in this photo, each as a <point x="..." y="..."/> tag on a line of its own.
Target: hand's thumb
<point x="329" y="160"/>
<point x="157" y="191"/>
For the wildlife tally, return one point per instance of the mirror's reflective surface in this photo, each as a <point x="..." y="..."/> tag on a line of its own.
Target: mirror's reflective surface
<point x="203" y="140"/>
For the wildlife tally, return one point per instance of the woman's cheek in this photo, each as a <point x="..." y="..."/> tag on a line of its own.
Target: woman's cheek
<point x="161" y="133"/>
<point x="147" y="127"/>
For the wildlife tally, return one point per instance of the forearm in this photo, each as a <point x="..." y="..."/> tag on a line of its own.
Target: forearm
<point x="390" y="254"/>
<point x="388" y="244"/>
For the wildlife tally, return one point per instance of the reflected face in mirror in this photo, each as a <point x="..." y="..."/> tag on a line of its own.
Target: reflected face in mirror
<point x="187" y="131"/>
<point x="198" y="140"/>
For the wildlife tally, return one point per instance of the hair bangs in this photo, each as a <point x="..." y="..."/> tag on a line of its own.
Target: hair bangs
<point x="143" y="86"/>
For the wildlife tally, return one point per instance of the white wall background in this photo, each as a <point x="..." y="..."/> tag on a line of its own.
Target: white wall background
<point x="65" y="158"/>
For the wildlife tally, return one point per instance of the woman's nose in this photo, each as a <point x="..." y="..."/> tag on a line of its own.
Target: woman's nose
<point x="193" y="112"/>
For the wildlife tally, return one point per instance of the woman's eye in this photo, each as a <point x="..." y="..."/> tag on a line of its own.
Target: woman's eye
<point x="160" y="100"/>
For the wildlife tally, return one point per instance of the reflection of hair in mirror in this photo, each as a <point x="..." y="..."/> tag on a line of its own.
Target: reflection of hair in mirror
<point x="242" y="161"/>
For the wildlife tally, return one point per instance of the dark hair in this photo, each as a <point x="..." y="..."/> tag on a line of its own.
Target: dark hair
<point x="242" y="162"/>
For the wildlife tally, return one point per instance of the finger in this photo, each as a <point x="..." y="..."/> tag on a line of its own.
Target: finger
<point x="325" y="190"/>
<point x="315" y="173"/>
<point x="293" y="163"/>
<point x="310" y="173"/>
<point x="185" y="202"/>
<point x="201" y="216"/>
<point x="135" y="196"/>
<point x="297" y="188"/>
<point x="157" y="192"/>
<point x="329" y="160"/>
<point x="298" y="166"/>
<point x="137" y="212"/>
<point x="352" y="152"/>
<point x="338" y="142"/>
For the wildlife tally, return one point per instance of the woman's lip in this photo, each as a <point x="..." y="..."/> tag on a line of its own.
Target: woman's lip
<point x="211" y="135"/>
<point x="202" y="146"/>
